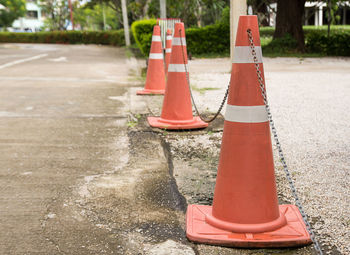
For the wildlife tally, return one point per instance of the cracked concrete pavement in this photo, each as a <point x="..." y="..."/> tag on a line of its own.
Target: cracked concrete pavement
<point x="57" y="125"/>
<point x="68" y="182"/>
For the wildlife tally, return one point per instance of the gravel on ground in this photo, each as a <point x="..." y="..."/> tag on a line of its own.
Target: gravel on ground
<point x="309" y="100"/>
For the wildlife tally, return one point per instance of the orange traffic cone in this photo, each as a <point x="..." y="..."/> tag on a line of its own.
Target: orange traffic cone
<point x="177" y="106"/>
<point x="169" y="39"/>
<point x="245" y="211"/>
<point x="155" y="80"/>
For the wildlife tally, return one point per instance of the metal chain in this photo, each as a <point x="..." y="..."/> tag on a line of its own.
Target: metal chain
<point x="280" y="152"/>
<point x="188" y="82"/>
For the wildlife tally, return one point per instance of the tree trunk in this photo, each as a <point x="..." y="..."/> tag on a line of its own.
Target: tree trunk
<point x="329" y="19"/>
<point x="289" y="20"/>
<point x="145" y="8"/>
<point x="198" y="14"/>
<point x="162" y="4"/>
<point x="125" y="23"/>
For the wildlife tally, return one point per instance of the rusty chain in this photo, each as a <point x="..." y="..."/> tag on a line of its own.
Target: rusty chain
<point x="188" y="82"/>
<point x="280" y="152"/>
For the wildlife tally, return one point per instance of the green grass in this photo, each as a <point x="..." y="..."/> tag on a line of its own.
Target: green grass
<point x="128" y="53"/>
<point x="269" y="31"/>
<point x="144" y="73"/>
<point x="325" y="28"/>
<point x="132" y="124"/>
<point x="268" y="54"/>
<point x="292" y="55"/>
<point x="133" y="120"/>
<point x="265" y="40"/>
<point x="202" y="90"/>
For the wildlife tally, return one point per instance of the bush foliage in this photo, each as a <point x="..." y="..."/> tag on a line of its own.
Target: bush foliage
<point x="212" y="39"/>
<point x="316" y="41"/>
<point x="208" y="39"/>
<point x="337" y="44"/>
<point x="286" y="44"/>
<point x="199" y="40"/>
<point x="215" y="39"/>
<point x="142" y="31"/>
<point x="115" y="38"/>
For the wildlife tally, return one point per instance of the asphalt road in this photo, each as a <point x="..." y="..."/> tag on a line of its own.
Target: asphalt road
<point x="58" y="119"/>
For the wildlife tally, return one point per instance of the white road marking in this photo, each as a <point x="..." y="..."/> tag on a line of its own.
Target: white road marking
<point x="60" y="59"/>
<point x="4" y="114"/>
<point x="14" y="56"/>
<point x="115" y="98"/>
<point x="7" y="114"/>
<point x="20" y="61"/>
<point x="63" y="79"/>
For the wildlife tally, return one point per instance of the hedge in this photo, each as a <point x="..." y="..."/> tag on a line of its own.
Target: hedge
<point x="215" y="39"/>
<point x="198" y="40"/>
<point x="269" y="31"/>
<point x="316" y="42"/>
<point x="337" y="44"/>
<point x="115" y="38"/>
<point x="142" y="31"/>
<point x="208" y="39"/>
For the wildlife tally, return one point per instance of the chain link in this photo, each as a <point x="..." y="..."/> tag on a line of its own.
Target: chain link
<point x="188" y="82"/>
<point x="280" y="152"/>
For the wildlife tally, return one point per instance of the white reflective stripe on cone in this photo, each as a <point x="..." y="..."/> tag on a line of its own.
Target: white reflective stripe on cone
<point x="246" y="114"/>
<point x="156" y="38"/>
<point x="168" y="50"/>
<point x="243" y="54"/>
<point x="169" y="37"/>
<point x="155" y="56"/>
<point x="177" y="68"/>
<point x="176" y="41"/>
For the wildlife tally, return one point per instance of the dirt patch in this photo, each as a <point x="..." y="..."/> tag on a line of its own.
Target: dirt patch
<point x="195" y="155"/>
<point x="135" y="207"/>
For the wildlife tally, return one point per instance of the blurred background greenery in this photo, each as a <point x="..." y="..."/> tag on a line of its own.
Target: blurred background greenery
<point x="322" y="29"/>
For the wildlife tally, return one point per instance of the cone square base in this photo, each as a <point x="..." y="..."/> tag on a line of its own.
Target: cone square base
<point x="150" y="92"/>
<point x="293" y="234"/>
<point x="158" y="122"/>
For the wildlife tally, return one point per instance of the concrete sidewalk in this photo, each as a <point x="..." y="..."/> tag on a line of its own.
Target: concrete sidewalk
<point x="58" y="124"/>
<point x="76" y="177"/>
